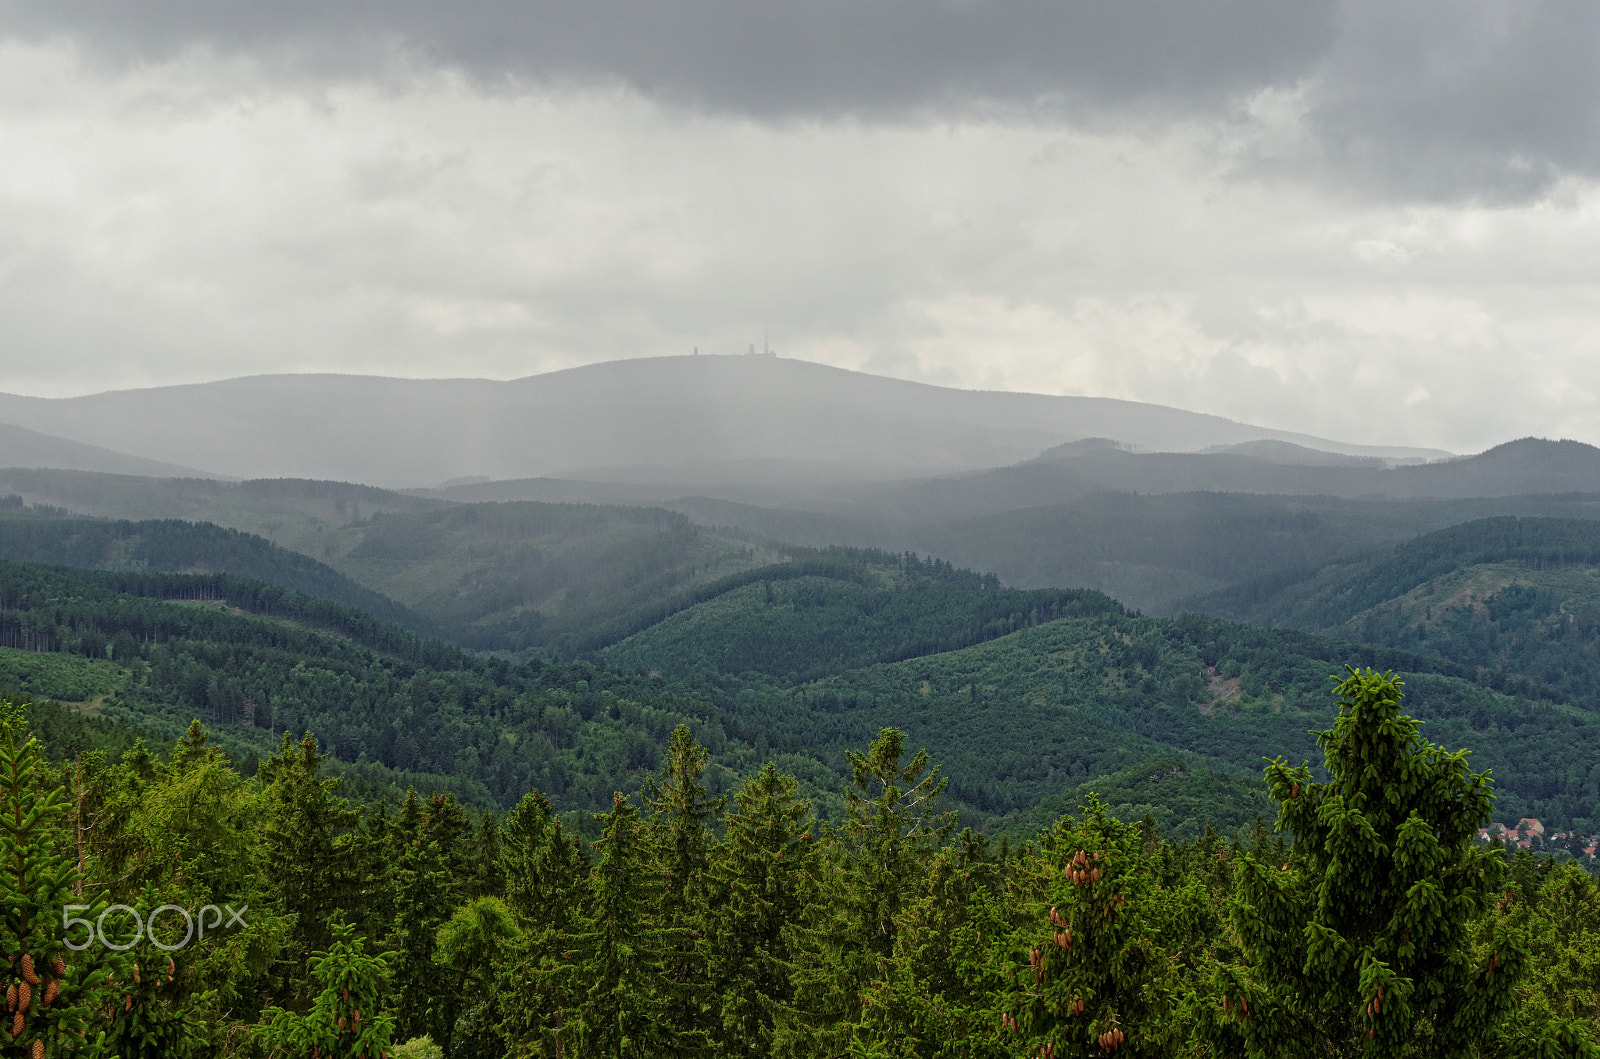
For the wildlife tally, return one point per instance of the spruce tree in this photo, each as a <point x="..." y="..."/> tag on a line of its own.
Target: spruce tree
<point x="345" y="1019"/>
<point x="62" y="986"/>
<point x="949" y="970"/>
<point x="305" y="826"/>
<point x="165" y="1015"/>
<point x="867" y="878"/>
<point x="1097" y="975"/>
<point x="760" y="875"/>
<point x="679" y="831"/>
<point x="892" y="830"/>
<point x="615" y="960"/>
<point x="1363" y="942"/>
<point x="471" y="947"/>
<point x="680" y="817"/>
<point x="544" y="871"/>
<point x="423" y="902"/>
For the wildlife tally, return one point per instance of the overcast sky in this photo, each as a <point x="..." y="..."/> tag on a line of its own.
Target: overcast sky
<point x="1375" y="221"/>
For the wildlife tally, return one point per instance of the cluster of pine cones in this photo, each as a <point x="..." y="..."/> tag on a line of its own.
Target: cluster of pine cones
<point x="20" y="996"/>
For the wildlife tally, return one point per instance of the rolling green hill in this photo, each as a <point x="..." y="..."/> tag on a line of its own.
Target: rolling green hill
<point x="157" y="650"/>
<point x="799" y="621"/>
<point x="771" y="649"/>
<point x="1025" y="716"/>
<point x="1015" y="721"/>
<point x="507" y="577"/>
<point x="1522" y="595"/>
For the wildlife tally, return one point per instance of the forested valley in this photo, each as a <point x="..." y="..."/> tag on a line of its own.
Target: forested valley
<point x="746" y="798"/>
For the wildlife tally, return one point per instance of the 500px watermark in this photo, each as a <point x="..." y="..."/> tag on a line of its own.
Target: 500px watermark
<point x="210" y="918"/>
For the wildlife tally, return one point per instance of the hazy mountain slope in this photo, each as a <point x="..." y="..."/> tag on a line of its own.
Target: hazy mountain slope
<point x="902" y="510"/>
<point x="1519" y="468"/>
<point x="1521" y="595"/>
<point x="558" y="577"/>
<point x="1149" y="552"/>
<point x="20" y="447"/>
<point x="173" y="546"/>
<point x="1145" y="550"/>
<point x="492" y="576"/>
<point x="1298" y="455"/>
<point x="294" y="513"/>
<point x="649" y="412"/>
<point x="767" y="482"/>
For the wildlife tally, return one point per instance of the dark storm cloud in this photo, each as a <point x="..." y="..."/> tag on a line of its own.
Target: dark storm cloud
<point x="1491" y="100"/>
<point x="762" y="57"/>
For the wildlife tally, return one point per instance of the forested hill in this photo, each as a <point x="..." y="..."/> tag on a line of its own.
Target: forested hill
<point x="157" y="650"/>
<point x="825" y="613"/>
<point x="172" y="546"/>
<point x="1521" y="595"/>
<point x="1024" y="717"/>
<point x="1016" y="720"/>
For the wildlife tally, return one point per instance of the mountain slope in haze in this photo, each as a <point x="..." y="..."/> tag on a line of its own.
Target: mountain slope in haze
<point x="504" y="577"/>
<point x="172" y="546"/>
<point x="562" y="578"/>
<point x="1522" y="595"/>
<point x="294" y="513"/>
<point x="654" y="412"/>
<point x="20" y="447"/>
<point x="1149" y="528"/>
<point x="1530" y="466"/>
<point x="1150" y="552"/>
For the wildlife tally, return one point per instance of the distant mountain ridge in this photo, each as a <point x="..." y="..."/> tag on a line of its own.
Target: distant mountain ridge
<point x="1527" y="467"/>
<point x="20" y="447"/>
<point x="662" y="411"/>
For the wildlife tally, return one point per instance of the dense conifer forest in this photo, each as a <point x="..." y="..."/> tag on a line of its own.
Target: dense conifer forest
<point x="843" y="803"/>
<point x="203" y="911"/>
